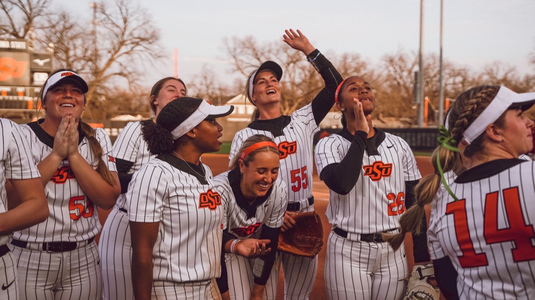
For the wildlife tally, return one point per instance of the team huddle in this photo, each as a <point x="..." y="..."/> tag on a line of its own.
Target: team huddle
<point x="176" y="231"/>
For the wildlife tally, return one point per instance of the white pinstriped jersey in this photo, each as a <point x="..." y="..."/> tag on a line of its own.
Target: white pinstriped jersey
<point x="16" y="161"/>
<point x="73" y="216"/>
<point x="131" y="146"/>
<point x="238" y="215"/>
<point x="295" y="145"/>
<point x="377" y="200"/>
<point x="489" y="233"/>
<point x="188" y="246"/>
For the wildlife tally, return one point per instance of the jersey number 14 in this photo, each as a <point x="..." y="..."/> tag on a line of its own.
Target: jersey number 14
<point x="518" y="231"/>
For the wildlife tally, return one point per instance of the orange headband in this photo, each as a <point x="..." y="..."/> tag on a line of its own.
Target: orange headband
<point x="338" y="90"/>
<point x="255" y="146"/>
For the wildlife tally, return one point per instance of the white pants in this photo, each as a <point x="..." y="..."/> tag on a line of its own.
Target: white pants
<point x="241" y="279"/>
<point x="65" y="275"/>
<point x="8" y="278"/>
<point x="362" y="270"/>
<point x="198" y="290"/>
<point x="115" y="249"/>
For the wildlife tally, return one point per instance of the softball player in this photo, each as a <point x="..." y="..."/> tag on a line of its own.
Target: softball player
<point x="22" y="200"/>
<point x="254" y="202"/>
<point x="368" y="172"/>
<point x="294" y="136"/>
<point x="130" y="152"/>
<point x="483" y="221"/>
<point x="173" y="207"/>
<point x="58" y="259"/>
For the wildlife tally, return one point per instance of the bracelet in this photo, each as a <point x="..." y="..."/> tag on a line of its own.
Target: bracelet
<point x="233" y="246"/>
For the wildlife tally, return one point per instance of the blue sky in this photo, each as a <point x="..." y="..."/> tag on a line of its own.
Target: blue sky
<point x="476" y="32"/>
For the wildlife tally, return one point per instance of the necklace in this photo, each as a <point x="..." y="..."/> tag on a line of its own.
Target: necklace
<point x="202" y="175"/>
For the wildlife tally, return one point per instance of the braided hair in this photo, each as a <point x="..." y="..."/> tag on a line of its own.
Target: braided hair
<point x="467" y="107"/>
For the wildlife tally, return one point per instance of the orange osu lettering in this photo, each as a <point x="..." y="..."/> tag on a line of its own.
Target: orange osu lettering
<point x="377" y="170"/>
<point x="62" y="174"/>
<point x="209" y="200"/>
<point x="67" y="74"/>
<point x="287" y="148"/>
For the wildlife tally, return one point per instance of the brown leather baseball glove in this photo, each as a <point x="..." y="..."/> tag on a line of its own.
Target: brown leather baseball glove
<point x="305" y="238"/>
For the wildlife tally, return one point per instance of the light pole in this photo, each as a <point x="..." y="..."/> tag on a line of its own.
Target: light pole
<point x="420" y="84"/>
<point x="441" y="79"/>
<point x="95" y="6"/>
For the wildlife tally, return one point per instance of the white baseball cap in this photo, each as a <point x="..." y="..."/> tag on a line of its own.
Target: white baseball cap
<point x="505" y="99"/>
<point x="204" y="111"/>
<point x="62" y="76"/>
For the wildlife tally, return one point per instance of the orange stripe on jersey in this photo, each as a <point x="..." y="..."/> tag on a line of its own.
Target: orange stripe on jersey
<point x="377" y="170"/>
<point x="209" y="199"/>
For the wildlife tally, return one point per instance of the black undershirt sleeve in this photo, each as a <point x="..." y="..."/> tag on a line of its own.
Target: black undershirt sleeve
<point x="222" y="282"/>
<point x="341" y="177"/>
<point x="269" y="259"/>
<point x="446" y="278"/>
<point x="123" y="166"/>
<point x="419" y="241"/>
<point x="324" y="100"/>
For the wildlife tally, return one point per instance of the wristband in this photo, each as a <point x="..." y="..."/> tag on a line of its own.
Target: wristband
<point x="233" y="246"/>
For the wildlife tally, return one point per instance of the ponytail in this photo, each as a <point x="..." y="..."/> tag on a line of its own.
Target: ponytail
<point x="96" y="148"/>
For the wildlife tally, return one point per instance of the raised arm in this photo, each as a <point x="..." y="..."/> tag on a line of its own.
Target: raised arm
<point x="324" y="100"/>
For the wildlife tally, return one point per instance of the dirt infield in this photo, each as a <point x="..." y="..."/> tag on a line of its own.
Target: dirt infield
<point x="218" y="163"/>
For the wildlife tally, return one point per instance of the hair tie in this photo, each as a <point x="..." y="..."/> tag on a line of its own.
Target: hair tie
<point x="445" y="140"/>
<point x="255" y="146"/>
<point x="442" y="178"/>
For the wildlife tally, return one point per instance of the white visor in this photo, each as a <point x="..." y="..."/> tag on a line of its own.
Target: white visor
<point x="504" y="100"/>
<point x="204" y="111"/>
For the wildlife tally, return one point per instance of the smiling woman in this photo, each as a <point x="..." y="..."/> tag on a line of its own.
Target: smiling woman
<point x="73" y="159"/>
<point x="254" y="202"/>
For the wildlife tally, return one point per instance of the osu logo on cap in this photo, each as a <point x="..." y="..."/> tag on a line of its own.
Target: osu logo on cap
<point x="246" y="231"/>
<point x="67" y="74"/>
<point x="62" y="174"/>
<point x="377" y="170"/>
<point x="209" y="200"/>
<point x="287" y="148"/>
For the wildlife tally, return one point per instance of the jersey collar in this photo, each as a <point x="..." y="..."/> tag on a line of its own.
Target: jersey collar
<point x="487" y="170"/>
<point x="182" y="166"/>
<point x="371" y="143"/>
<point x="275" y="126"/>
<point x="46" y="138"/>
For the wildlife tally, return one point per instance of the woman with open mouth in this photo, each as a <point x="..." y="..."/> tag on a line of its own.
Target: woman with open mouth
<point x="294" y="136"/>
<point x="254" y="202"/>
<point x="59" y="256"/>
